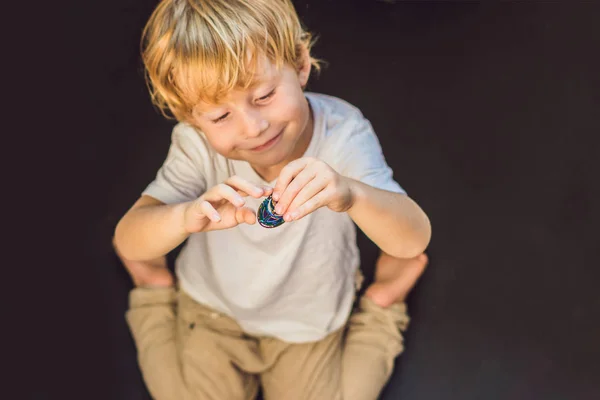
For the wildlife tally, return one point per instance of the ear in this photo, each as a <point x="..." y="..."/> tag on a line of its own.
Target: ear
<point x="304" y="66"/>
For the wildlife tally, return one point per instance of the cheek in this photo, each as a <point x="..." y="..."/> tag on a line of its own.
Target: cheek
<point x="221" y="140"/>
<point x="293" y="109"/>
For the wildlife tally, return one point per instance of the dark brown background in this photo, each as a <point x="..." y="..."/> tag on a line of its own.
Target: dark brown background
<point x="489" y="116"/>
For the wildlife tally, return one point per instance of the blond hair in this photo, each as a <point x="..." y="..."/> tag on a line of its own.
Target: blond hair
<point x="199" y="50"/>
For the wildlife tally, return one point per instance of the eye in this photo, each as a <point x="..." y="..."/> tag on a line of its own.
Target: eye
<point x="267" y="96"/>
<point x="221" y="118"/>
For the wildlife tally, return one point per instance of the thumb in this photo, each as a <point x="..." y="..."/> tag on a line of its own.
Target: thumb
<point x="245" y="215"/>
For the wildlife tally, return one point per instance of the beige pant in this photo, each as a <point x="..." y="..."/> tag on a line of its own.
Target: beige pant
<point x="187" y="351"/>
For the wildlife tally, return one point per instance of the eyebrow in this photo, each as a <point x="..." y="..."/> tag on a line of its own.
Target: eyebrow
<point x="259" y="80"/>
<point x="203" y="113"/>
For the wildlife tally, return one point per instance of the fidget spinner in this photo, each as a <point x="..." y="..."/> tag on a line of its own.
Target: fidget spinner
<point x="267" y="217"/>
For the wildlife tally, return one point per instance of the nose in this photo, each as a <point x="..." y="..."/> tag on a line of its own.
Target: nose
<point x="255" y="123"/>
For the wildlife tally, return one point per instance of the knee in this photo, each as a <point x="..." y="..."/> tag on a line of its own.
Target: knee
<point x="115" y="247"/>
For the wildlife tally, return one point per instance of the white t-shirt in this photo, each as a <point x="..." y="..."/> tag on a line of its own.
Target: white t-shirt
<point x="294" y="282"/>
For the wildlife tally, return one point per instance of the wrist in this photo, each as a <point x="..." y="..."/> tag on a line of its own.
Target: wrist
<point x="356" y="194"/>
<point x="182" y="211"/>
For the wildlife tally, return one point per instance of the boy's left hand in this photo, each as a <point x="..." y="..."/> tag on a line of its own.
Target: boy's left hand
<point x="307" y="184"/>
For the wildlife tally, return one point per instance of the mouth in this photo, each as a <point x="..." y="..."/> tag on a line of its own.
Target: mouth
<point x="270" y="143"/>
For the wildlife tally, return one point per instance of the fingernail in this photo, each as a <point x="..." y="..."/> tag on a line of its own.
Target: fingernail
<point x="278" y="210"/>
<point x="239" y="202"/>
<point x="276" y="196"/>
<point x="259" y="191"/>
<point x="217" y="217"/>
<point x="294" y="215"/>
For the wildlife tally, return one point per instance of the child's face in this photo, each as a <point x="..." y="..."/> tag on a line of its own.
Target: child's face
<point x="264" y="124"/>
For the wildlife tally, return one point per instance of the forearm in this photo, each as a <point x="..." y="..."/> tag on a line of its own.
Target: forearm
<point x="393" y="221"/>
<point x="151" y="231"/>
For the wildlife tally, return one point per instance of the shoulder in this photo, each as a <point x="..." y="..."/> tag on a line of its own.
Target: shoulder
<point x="342" y="124"/>
<point x="192" y="142"/>
<point x="184" y="134"/>
<point x="334" y="110"/>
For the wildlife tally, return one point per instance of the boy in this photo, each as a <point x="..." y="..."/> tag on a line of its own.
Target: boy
<point x="259" y="306"/>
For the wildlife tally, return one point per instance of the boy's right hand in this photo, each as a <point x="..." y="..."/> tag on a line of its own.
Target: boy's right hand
<point x="222" y="206"/>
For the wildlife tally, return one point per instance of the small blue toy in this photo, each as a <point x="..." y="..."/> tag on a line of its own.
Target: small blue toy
<point x="267" y="217"/>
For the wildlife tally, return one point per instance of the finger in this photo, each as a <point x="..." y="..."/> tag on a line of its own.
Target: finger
<point x="209" y="211"/>
<point x="245" y="186"/>
<point x="314" y="203"/>
<point x="293" y="188"/>
<point x="308" y="191"/>
<point x="287" y="174"/>
<point x="268" y="190"/>
<point x="223" y="191"/>
<point x="245" y="215"/>
<point x="249" y="216"/>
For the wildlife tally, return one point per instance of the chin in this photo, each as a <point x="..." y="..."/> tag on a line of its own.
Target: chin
<point x="271" y="158"/>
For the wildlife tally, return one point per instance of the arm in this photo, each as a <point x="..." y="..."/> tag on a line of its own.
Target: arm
<point x="153" y="226"/>
<point x="393" y="221"/>
<point x="150" y="229"/>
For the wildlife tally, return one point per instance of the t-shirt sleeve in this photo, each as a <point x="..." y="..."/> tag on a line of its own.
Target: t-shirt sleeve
<point x="360" y="157"/>
<point x="181" y="177"/>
